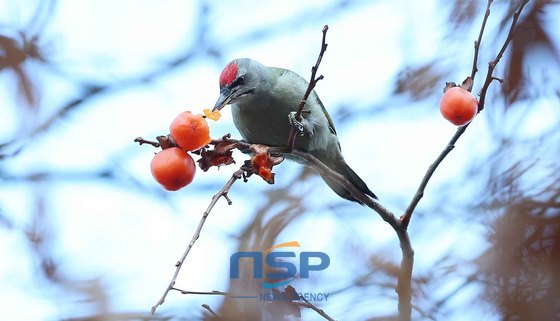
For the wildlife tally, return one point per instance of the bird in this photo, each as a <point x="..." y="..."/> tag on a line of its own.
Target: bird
<point x="264" y="101"/>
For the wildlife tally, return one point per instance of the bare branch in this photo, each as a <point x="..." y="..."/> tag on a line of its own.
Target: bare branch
<point x="477" y="42"/>
<point x="200" y="292"/>
<point x="489" y="78"/>
<point x="312" y="82"/>
<point x="405" y="275"/>
<point x="305" y="302"/>
<point x="494" y="63"/>
<point x="420" y="191"/>
<point x="141" y="141"/>
<point x="207" y="307"/>
<point x="223" y="192"/>
<point x="404" y="282"/>
<point x="400" y="226"/>
<point x="404" y="285"/>
<point x="311" y="306"/>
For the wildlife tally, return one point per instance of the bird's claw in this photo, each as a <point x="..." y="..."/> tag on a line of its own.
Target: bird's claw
<point x="296" y="123"/>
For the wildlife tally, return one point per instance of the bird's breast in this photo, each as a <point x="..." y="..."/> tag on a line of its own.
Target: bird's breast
<point x="262" y="121"/>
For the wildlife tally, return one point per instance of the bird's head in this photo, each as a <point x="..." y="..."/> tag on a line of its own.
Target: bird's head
<point x="239" y="80"/>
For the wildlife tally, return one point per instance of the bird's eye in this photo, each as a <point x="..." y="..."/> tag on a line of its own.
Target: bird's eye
<point x="240" y="81"/>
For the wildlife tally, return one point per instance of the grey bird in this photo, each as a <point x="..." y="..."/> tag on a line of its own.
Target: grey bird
<point x="264" y="101"/>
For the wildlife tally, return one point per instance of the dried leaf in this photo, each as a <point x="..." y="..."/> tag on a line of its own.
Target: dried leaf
<point x="220" y="155"/>
<point x="284" y="308"/>
<point x="449" y="85"/>
<point x="291" y="292"/>
<point x="467" y="84"/>
<point x="262" y="163"/>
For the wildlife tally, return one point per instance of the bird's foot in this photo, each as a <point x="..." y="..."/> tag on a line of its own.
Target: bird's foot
<point x="247" y="150"/>
<point x="299" y="125"/>
<point x="296" y="124"/>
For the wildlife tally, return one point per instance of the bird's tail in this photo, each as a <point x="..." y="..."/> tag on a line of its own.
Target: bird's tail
<point x="342" y="168"/>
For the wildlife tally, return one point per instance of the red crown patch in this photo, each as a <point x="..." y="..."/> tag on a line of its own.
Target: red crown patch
<point x="228" y="75"/>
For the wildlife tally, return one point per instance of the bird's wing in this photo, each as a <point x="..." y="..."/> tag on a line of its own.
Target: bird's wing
<point x="281" y="71"/>
<point x="329" y="119"/>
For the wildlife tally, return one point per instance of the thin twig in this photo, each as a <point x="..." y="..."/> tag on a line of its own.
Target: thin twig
<point x="494" y="63"/>
<point x="223" y="192"/>
<point x="310" y="305"/>
<point x="141" y="141"/>
<point x="449" y="147"/>
<point x="305" y="304"/>
<point x="207" y="307"/>
<point x="477" y="42"/>
<point x="405" y="274"/>
<point x="200" y="292"/>
<point x="312" y="82"/>
<point x="405" y="277"/>
<point x="420" y="191"/>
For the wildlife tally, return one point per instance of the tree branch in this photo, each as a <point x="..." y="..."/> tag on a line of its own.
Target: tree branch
<point x="449" y="147"/>
<point x="207" y="307"/>
<point x="491" y="65"/>
<point x="399" y="225"/>
<point x="305" y="302"/>
<point x="311" y="306"/>
<point x="405" y="274"/>
<point x="312" y="82"/>
<point x="420" y="191"/>
<point x="223" y="192"/>
<point x="477" y="42"/>
<point x="200" y="292"/>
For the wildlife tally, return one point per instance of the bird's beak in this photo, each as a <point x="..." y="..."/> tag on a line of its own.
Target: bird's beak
<point x="225" y="97"/>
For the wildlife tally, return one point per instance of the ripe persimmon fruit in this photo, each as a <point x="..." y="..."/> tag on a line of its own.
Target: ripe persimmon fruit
<point x="458" y="106"/>
<point x="173" y="168"/>
<point x="190" y="131"/>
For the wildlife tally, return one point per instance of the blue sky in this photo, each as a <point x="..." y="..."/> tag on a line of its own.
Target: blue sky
<point x="128" y="238"/>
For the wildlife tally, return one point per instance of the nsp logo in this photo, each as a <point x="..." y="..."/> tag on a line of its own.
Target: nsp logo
<point x="308" y="261"/>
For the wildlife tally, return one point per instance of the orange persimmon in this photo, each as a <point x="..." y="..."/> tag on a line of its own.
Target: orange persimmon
<point x="173" y="168"/>
<point x="458" y="106"/>
<point x="190" y="131"/>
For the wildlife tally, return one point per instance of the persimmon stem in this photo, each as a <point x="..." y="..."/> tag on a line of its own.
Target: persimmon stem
<point x="141" y="141"/>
